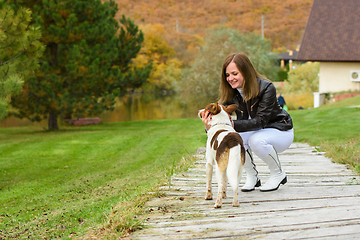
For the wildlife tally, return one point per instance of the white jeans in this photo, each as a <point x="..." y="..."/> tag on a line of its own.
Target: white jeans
<point x="261" y="141"/>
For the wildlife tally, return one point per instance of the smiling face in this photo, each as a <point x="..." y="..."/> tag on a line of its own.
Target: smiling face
<point x="233" y="76"/>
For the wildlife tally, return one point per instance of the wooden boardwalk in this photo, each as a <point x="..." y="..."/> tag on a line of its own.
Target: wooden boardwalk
<point x="320" y="201"/>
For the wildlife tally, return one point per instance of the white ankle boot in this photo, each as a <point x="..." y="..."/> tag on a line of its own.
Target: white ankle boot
<point x="252" y="176"/>
<point x="277" y="174"/>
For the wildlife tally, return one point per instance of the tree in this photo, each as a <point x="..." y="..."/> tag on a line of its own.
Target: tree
<point x="202" y="80"/>
<point x="20" y="49"/>
<point x="130" y="43"/>
<point x="85" y="63"/>
<point x="303" y="78"/>
<point x="166" y="67"/>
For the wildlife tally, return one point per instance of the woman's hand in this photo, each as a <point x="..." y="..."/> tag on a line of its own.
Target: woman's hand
<point x="206" y="118"/>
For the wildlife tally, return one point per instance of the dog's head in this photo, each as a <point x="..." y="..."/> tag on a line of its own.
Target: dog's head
<point x="222" y="112"/>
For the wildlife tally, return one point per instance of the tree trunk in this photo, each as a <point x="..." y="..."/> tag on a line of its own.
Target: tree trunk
<point x="53" y="124"/>
<point x="67" y="116"/>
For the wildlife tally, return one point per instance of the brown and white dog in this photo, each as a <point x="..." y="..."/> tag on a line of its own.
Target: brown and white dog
<point x="225" y="149"/>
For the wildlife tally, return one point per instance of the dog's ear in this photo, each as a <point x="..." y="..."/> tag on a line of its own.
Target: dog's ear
<point x="216" y="109"/>
<point x="213" y="108"/>
<point x="231" y="108"/>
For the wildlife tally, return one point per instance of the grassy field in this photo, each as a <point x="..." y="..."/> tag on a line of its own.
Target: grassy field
<point x="63" y="184"/>
<point x="94" y="180"/>
<point x="333" y="128"/>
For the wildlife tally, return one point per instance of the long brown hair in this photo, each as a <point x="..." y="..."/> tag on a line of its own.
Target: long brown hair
<point x="249" y="73"/>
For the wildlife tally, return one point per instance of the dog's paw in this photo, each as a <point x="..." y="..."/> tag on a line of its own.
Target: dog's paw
<point x="236" y="204"/>
<point x="208" y="195"/>
<point x="217" y="205"/>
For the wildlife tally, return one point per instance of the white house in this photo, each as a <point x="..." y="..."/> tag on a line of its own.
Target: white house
<point x="332" y="37"/>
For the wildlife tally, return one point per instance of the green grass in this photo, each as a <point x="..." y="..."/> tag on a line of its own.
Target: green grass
<point x="93" y="181"/>
<point x="65" y="183"/>
<point x="333" y="128"/>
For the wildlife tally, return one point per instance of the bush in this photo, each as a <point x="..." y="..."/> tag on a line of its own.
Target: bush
<point x="295" y="100"/>
<point x="303" y="78"/>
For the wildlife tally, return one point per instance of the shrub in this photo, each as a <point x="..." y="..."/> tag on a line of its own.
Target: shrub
<point x="295" y="100"/>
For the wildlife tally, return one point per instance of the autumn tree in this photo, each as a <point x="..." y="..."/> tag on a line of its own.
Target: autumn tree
<point x="166" y="66"/>
<point x="186" y="45"/>
<point x="20" y="49"/>
<point x="303" y="81"/>
<point x="202" y="79"/>
<point x="284" y="20"/>
<point x="304" y="78"/>
<point x="85" y="63"/>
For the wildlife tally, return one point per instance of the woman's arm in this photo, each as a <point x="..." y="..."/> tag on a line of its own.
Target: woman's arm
<point x="267" y="100"/>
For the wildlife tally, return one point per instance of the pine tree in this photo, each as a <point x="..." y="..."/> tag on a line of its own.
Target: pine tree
<point x="130" y="41"/>
<point x="20" y="49"/>
<point x="80" y="74"/>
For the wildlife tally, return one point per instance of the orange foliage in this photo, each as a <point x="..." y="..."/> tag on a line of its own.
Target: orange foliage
<point x="285" y="20"/>
<point x="64" y="13"/>
<point x="294" y="101"/>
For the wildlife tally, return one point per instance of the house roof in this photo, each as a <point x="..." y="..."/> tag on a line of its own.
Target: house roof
<point x="289" y="55"/>
<point x="332" y="32"/>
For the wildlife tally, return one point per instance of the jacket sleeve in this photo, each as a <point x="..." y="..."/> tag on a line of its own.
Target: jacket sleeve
<point x="259" y="119"/>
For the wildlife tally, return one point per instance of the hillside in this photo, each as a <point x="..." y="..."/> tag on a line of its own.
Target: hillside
<point x="284" y="20"/>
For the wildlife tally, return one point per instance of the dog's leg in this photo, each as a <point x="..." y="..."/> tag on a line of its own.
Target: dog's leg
<point x="221" y="179"/>
<point x="209" y="172"/>
<point x="224" y="188"/>
<point x="236" y="200"/>
<point x="234" y="173"/>
<point x="234" y="180"/>
<point x="236" y="187"/>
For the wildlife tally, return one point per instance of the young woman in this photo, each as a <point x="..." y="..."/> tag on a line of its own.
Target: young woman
<point x="264" y="126"/>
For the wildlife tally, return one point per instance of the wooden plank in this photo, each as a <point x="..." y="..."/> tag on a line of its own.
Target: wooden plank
<point x="320" y="201"/>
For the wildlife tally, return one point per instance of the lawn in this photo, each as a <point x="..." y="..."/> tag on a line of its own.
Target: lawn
<point x="62" y="184"/>
<point x="332" y="128"/>
<point x="94" y="180"/>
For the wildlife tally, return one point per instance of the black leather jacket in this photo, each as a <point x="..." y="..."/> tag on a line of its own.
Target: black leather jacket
<point x="264" y="110"/>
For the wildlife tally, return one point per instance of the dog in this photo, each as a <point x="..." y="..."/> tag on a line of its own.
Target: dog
<point x="225" y="149"/>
